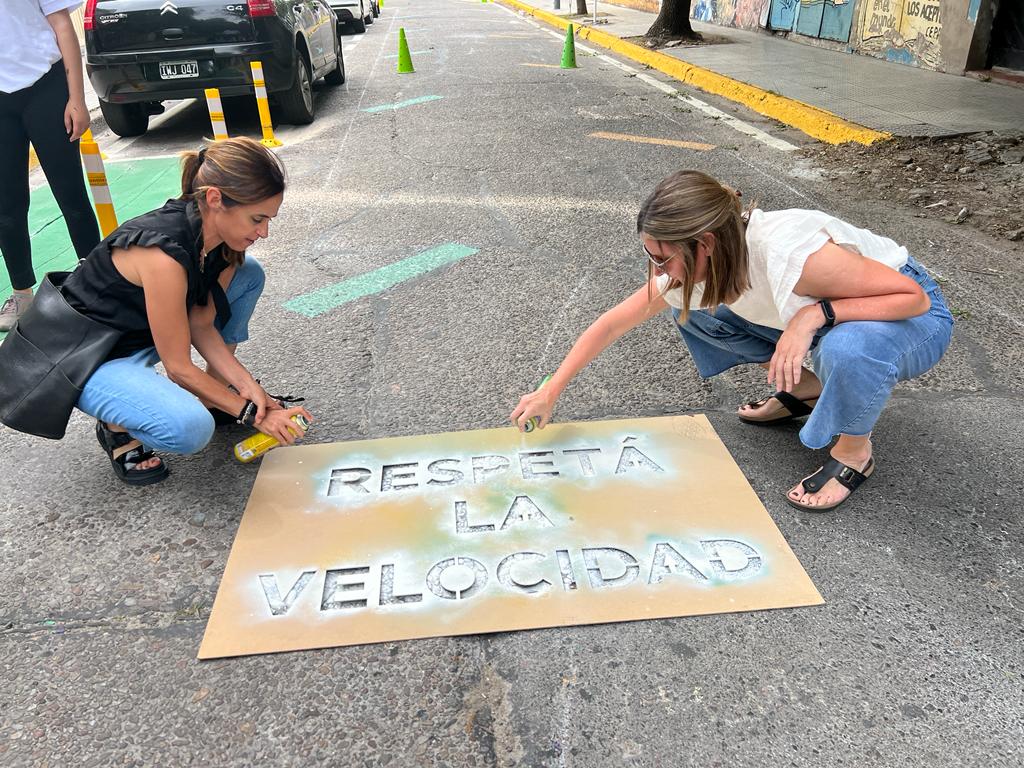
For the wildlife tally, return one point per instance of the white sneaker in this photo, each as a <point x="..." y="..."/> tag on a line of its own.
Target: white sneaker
<point x="12" y="309"/>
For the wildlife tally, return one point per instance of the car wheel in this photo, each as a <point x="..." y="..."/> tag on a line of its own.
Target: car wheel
<point x="337" y="75"/>
<point x="297" y="102"/>
<point x="359" y="25"/>
<point x="125" y="119"/>
<point x="369" y="15"/>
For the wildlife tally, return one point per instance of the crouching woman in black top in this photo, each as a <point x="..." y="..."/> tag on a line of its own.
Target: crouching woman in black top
<point x="173" y="279"/>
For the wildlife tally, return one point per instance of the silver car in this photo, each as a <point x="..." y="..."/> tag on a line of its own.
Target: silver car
<point x="355" y="13"/>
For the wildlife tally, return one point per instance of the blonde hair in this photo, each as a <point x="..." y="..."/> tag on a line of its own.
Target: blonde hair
<point x="685" y="206"/>
<point x="243" y="170"/>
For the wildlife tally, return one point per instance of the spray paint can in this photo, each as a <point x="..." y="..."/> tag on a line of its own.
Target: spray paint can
<point x="532" y="423"/>
<point x="256" y="445"/>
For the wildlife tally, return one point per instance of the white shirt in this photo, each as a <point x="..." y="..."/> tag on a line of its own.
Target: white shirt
<point x="778" y="244"/>
<point x="28" y="46"/>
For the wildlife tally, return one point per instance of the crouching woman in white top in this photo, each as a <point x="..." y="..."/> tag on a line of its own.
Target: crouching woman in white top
<point x="768" y="288"/>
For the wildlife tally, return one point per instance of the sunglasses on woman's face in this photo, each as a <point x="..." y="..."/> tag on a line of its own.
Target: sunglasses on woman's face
<point x="659" y="263"/>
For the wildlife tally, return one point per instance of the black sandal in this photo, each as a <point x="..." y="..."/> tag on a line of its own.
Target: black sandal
<point x="847" y="477"/>
<point x="126" y="453"/>
<point x="797" y="408"/>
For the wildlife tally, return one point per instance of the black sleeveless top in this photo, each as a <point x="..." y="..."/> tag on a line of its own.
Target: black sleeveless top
<point x="99" y="291"/>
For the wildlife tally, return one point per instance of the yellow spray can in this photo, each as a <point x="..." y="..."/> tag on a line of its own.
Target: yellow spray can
<point x="256" y="445"/>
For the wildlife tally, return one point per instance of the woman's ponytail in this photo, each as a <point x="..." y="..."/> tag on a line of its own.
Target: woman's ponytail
<point x="190" y="163"/>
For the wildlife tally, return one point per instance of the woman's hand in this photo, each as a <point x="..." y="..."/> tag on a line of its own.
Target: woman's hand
<point x="788" y="361"/>
<point x="251" y="390"/>
<point x="538" y="403"/>
<point x="76" y="119"/>
<point x="278" y="424"/>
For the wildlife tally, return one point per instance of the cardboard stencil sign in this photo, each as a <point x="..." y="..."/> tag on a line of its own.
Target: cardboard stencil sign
<point x="493" y="530"/>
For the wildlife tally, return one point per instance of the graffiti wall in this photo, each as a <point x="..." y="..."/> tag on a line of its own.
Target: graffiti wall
<point x="745" y="14"/>
<point x="936" y="34"/>
<point x="904" y="31"/>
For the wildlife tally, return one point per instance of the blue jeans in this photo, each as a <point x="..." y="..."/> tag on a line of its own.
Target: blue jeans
<point x="130" y="393"/>
<point x="858" y="362"/>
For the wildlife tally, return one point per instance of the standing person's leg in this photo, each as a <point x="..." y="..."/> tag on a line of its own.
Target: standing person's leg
<point x="14" y="199"/>
<point x="127" y="396"/>
<point x="60" y="158"/>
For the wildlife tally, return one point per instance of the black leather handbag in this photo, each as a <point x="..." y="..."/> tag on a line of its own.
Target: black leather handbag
<point x="46" y="360"/>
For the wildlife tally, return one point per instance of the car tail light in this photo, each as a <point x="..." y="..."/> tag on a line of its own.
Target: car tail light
<point x="262" y="8"/>
<point x="89" y="14"/>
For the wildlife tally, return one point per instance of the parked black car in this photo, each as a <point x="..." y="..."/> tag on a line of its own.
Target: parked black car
<point x="140" y="53"/>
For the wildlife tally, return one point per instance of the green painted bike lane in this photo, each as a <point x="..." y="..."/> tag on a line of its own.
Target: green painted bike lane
<point x="136" y="186"/>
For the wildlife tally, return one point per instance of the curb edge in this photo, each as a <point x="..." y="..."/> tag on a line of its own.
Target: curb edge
<point x="813" y="121"/>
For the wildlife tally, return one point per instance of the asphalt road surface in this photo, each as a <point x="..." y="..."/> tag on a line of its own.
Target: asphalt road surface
<point x="914" y="660"/>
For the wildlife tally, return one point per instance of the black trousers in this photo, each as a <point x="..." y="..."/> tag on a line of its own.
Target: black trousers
<point x="36" y="114"/>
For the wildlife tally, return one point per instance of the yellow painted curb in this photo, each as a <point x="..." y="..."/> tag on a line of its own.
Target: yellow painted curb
<point x="816" y="123"/>
<point x="33" y="161"/>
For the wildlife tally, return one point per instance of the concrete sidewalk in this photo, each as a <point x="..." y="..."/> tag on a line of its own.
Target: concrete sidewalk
<point x="897" y="99"/>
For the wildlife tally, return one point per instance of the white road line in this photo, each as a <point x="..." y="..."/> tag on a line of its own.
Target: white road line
<point x="656" y="83"/>
<point x="616" y="63"/>
<point x="737" y="124"/>
<point x="133" y="158"/>
<point x="535" y="203"/>
<point x="356" y="114"/>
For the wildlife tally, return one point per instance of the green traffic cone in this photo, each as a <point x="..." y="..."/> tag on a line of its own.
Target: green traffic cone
<point x="404" y="59"/>
<point x="569" y="50"/>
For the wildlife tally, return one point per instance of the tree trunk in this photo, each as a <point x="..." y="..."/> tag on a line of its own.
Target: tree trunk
<point x="673" y="21"/>
<point x="581" y="7"/>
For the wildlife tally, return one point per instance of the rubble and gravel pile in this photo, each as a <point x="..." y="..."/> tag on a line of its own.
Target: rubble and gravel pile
<point x="975" y="180"/>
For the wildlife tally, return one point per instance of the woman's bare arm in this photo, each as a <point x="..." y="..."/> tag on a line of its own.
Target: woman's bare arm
<point x="859" y="288"/>
<point x="165" y="285"/>
<point x="76" y="116"/>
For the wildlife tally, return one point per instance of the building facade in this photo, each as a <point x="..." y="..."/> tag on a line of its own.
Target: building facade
<point x="944" y="35"/>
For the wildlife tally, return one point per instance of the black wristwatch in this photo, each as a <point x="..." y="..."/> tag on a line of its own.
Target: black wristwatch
<point x="247" y="416"/>
<point x="828" y="312"/>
